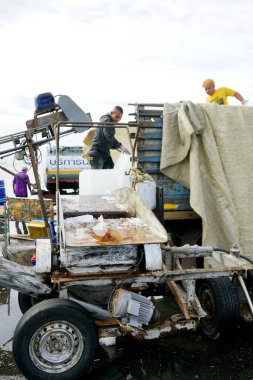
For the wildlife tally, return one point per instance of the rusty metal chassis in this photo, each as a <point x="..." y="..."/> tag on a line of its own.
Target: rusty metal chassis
<point x="180" y="281"/>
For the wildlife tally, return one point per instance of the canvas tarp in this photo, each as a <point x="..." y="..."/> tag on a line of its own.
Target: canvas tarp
<point x="208" y="148"/>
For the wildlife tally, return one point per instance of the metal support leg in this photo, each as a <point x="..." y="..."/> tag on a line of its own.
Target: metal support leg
<point x="246" y="293"/>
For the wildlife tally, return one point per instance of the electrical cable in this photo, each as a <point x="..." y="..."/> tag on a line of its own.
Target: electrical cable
<point x="225" y="251"/>
<point x="14" y="167"/>
<point x="246" y="258"/>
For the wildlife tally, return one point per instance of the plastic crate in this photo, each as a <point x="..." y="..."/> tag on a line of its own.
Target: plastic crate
<point x="37" y="230"/>
<point x="44" y="101"/>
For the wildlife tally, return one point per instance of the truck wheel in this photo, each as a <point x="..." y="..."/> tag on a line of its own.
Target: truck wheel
<point x="219" y="300"/>
<point x="55" y="340"/>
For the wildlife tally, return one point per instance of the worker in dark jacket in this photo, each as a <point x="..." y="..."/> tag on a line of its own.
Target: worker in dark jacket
<point x="104" y="140"/>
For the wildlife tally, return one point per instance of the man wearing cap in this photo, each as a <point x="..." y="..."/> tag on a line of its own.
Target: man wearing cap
<point x="220" y="95"/>
<point x="20" y="183"/>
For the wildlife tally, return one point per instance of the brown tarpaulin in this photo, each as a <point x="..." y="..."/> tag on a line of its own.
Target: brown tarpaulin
<point x="208" y="148"/>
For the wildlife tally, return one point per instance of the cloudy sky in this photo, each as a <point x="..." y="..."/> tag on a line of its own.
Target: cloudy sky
<point x="107" y="52"/>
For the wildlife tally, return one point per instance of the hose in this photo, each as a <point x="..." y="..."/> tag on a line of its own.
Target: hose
<point x="225" y="251"/>
<point x="220" y="250"/>
<point x="247" y="259"/>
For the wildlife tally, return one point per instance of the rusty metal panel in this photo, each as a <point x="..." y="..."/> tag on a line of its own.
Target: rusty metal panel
<point x="150" y="277"/>
<point x="49" y="119"/>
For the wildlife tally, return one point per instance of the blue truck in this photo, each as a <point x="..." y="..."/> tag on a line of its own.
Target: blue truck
<point x="71" y="163"/>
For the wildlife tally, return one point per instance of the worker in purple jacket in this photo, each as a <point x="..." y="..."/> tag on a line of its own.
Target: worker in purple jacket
<point x="21" y="182"/>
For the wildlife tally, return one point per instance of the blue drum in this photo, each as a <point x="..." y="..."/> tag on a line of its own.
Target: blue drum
<point x="2" y="192"/>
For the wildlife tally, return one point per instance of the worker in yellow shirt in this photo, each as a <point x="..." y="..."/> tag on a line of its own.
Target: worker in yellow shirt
<point x="220" y="95"/>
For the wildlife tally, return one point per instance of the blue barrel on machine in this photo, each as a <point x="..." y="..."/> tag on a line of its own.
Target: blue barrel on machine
<point x="2" y="192"/>
<point x="44" y="101"/>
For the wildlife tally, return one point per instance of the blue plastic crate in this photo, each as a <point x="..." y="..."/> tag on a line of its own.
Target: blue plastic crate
<point x="44" y="101"/>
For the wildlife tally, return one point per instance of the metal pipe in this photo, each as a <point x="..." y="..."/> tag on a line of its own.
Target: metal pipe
<point x="99" y="125"/>
<point x="57" y="186"/>
<point x="135" y="140"/>
<point x="96" y="311"/>
<point x="246" y="293"/>
<point x="4" y="153"/>
<point x="190" y="249"/>
<point x="15" y="175"/>
<point x="36" y="176"/>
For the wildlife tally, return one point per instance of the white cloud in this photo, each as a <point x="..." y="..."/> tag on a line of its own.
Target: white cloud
<point x="105" y="52"/>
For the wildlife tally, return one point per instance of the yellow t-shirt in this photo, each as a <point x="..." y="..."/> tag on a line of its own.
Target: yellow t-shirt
<point x="220" y="96"/>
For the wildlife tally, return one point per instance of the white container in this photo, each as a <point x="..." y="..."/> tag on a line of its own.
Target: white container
<point x="43" y="256"/>
<point x="123" y="162"/>
<point x="147" y="192"/>
<point x="102" y="181"/>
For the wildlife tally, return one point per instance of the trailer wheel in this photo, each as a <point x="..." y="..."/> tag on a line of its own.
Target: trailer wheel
<point x="25" y="301"/>
<point x="219" y="300"/>
<point x="55" y="340"/>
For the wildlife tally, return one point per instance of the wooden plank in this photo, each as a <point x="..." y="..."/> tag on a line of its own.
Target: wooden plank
<point x="179" y="298"/>
<point x="21" y="237"/>
<point x="177" y="215"/>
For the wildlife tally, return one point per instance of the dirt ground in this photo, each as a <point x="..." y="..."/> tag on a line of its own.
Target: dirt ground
<point x="178" y="357"/>
<point x="7" y="364"/>
<point x="181" y="356"/>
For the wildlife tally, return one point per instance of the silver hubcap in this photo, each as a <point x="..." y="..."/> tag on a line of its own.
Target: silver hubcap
<point x="56" y="347"/>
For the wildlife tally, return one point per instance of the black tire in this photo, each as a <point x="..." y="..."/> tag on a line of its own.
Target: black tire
<point x="25" y="301"/>
<point x="219" y="300"/>
<point x="55" y="340"/>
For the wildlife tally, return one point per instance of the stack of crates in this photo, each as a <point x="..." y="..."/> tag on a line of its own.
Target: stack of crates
<point x="149" y="144"/>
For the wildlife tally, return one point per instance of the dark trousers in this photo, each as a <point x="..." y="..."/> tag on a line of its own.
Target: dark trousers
<point x="100" y="162"/>
<point x="19" y="230"/>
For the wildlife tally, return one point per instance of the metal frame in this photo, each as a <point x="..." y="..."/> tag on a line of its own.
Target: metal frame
<point x="62" y="124"/>
<point x="181" y="281"/>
